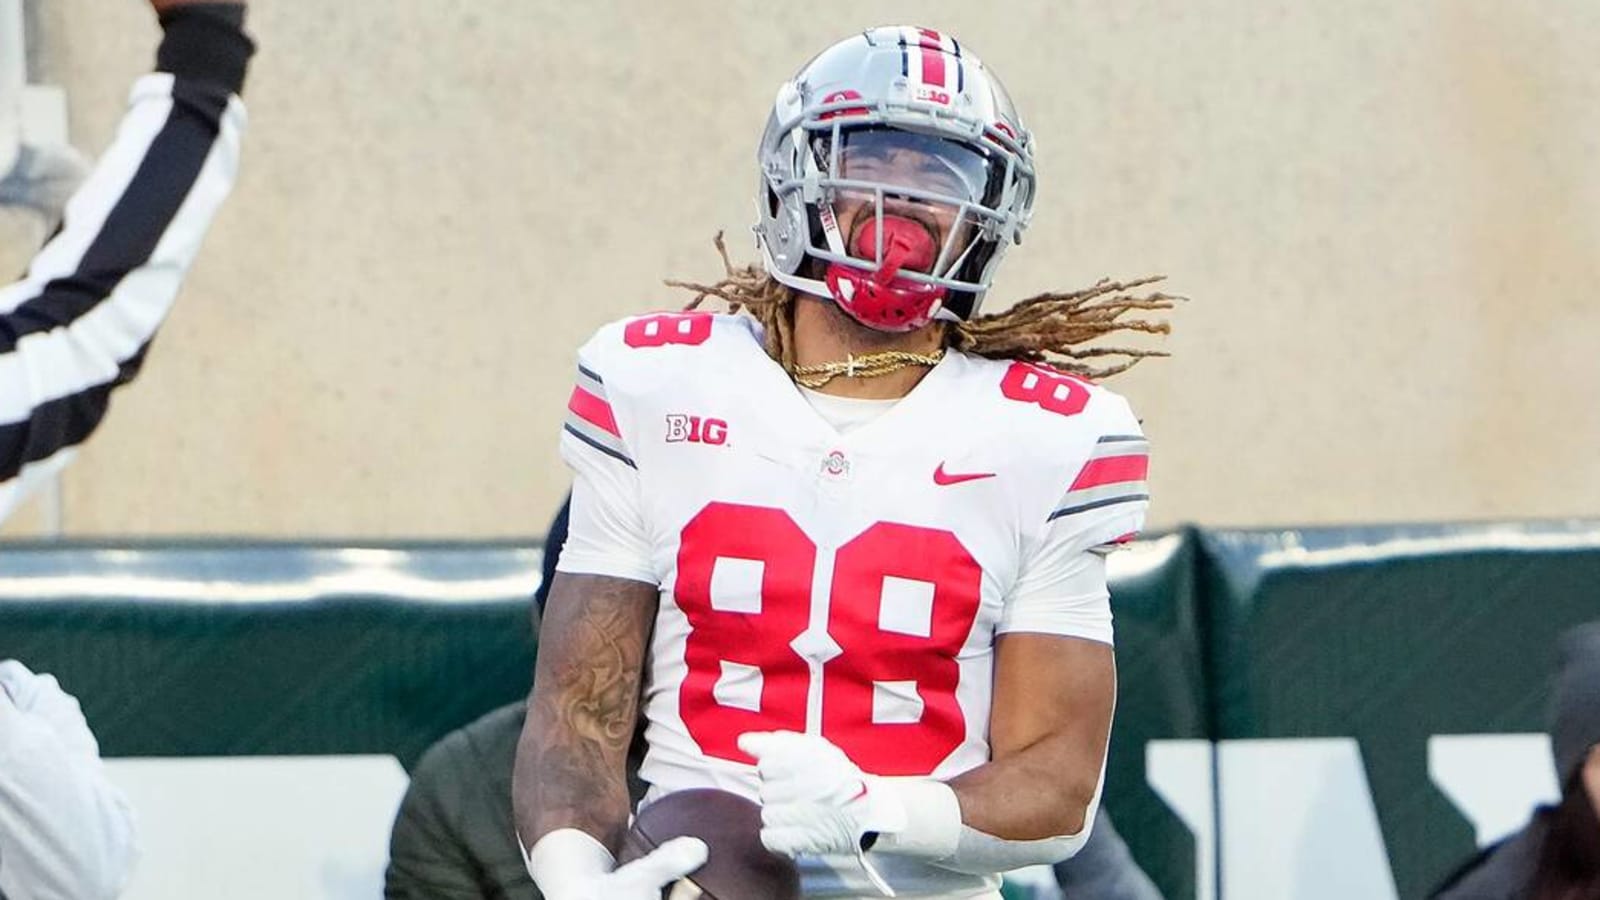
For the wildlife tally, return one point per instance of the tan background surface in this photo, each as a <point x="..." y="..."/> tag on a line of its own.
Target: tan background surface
<point x="1388" y="216"/>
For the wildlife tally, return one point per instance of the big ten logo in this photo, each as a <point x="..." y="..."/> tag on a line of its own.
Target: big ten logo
<point x="933" y="95"/>
<point x="695" y="430"/>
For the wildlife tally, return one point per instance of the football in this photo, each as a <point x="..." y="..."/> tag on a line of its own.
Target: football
<point x="738" y="867"/>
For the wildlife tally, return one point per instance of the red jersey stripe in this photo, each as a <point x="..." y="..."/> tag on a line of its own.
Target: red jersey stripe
<point x="593" y="410"/>
<point x="1112" y="470"/>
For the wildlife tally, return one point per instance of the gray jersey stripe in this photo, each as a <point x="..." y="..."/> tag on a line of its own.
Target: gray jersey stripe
<point x="1102" y="491"/>
<point x="591" y="382"/>
<point x="599" y="446"/>
<point x="595" y="433"/>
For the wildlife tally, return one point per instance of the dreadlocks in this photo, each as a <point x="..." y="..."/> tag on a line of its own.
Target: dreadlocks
<point x="1049" y="328"/>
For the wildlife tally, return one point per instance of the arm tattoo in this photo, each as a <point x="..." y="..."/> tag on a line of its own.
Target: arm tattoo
<point x="584" y="708"/>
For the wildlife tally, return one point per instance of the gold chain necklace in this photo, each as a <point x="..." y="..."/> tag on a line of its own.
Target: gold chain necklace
<point x="870" y="365"/>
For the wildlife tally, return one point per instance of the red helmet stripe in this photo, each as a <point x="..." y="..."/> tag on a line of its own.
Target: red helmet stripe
<point x="932" y="57"/>
<point x="932" y="67"/>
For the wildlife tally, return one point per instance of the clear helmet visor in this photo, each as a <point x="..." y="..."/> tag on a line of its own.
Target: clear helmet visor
<point x="913" y="200"/>
<point x="919" y="162"/>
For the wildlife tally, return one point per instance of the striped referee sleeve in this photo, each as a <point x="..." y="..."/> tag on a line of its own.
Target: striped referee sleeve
<point x="80" y="322"/>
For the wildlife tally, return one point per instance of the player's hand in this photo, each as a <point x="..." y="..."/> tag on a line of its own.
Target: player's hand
<point x="645" y="877"/>
<point x="813" y="798"/>
<point x="163" y="6"/>
<point x="642" y="879"/>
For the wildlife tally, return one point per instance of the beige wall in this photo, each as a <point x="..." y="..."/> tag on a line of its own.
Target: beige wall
<point x="1387" y="215"/>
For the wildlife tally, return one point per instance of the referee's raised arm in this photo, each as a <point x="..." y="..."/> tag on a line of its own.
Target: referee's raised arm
<point x="79" y="323"/>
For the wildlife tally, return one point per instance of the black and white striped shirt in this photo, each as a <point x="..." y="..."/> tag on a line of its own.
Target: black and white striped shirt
<point x="77" y="326"/>
<point x="80" y="322"/>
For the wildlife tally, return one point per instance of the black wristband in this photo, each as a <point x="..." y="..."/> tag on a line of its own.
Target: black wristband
<point x="206" y="42"/>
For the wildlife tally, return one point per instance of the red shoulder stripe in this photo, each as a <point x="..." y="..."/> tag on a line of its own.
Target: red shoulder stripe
<point x="1112" y="470"/>
<point x="593" y="410"/>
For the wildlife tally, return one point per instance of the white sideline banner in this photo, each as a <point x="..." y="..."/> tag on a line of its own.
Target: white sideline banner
<point x="267" y="827"/>
<point x="1494" y="778"/>
<point x="1296" y="817"/>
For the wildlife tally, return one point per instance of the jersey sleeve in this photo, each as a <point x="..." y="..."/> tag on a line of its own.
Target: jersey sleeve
<point x="1106" y="501"/>
<point x="606" y="531"/>
<point x="1062" y="591"/>
<point x="1061" y="586"/>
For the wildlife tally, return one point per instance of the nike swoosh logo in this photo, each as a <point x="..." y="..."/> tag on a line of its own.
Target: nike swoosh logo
<point x="941" y="477"/>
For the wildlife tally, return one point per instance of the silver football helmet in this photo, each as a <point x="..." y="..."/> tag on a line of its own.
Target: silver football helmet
<point x="895" y="172"/>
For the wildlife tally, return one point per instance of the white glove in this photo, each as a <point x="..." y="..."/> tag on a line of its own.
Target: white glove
<point x="569" y="864"/>
<point x="813" y="798"/>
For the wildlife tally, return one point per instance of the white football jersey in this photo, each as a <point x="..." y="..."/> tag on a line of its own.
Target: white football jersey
<point x="845" y="585"/>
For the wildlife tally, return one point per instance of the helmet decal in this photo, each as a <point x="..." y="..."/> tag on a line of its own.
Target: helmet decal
<point x="838" y="96"/>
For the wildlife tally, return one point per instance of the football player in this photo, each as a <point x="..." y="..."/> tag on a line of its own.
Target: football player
<point x="845" y="545"/>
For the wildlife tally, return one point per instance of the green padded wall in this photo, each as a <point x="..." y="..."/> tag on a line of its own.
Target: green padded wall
<point x="208" y="649"/>
<point x="1388" y="635"/>
<point x="1161" y="695"/>
<point x="1391" y="635"/>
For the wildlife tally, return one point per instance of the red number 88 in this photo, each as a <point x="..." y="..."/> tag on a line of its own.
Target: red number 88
<point x="869" y="654"/>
